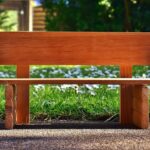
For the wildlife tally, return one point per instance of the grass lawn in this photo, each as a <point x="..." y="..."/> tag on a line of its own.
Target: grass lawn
<point x="86" y="102"/>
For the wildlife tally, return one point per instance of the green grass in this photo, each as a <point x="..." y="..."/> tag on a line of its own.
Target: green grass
<point x="86" y="102"/>
<point x="51" y="102"/>
<point x="57" y="102"/>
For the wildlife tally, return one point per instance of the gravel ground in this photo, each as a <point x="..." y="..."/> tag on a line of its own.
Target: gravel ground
<point x="33" y="138"/>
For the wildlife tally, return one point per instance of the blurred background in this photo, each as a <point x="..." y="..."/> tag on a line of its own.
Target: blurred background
<point x="74" y="15"/>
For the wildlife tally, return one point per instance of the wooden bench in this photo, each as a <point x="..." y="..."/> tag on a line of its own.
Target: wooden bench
<point x="76" y="48"/>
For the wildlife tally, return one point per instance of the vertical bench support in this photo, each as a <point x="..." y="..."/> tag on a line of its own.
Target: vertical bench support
<point x="10" y="106"/>
<point x="140" y="106"/>
<point x="126" y="112"/>
<point x="134" y="102"/>
<point x="22" y="110"/>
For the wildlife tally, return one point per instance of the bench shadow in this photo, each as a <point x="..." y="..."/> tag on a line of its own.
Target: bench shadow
<point x="85" y="125"/>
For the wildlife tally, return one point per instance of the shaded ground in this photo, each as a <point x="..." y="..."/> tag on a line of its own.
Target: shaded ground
<point x="83" y="136"/>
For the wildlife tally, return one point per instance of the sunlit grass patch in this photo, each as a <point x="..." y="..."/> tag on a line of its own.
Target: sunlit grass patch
<point x="74" y="102"/>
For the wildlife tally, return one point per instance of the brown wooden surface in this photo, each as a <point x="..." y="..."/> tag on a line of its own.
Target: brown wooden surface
<point x="9" y="107"/>
<point x="140" y="106"/>
<point x="74" y="48"/>
<point x="119" y="81"/>
<point x="22" y="110"/>
<point x="126" y="98"/>
<point x="96" y="48"/>
<point x="14" y="102"/>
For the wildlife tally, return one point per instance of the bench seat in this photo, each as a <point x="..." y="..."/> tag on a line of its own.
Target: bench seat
<point x="119" y="81"/>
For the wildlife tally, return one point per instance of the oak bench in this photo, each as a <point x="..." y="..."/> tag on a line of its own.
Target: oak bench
<point x="76" y="48"/>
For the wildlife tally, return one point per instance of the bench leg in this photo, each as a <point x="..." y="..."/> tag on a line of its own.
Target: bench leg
<point x="126" y="105"/>
<point x="22" y="110"/>
<point x="134" y="106"/>
<point x="10" y="114"/>
<point x="126" y="96"/>
<point x="140" y="106"/>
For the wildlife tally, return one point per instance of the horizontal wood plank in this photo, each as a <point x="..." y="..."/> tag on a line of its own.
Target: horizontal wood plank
<point x="75" y="81"/>
<point x="74" y="48"/>
<point x="39" y="23"/>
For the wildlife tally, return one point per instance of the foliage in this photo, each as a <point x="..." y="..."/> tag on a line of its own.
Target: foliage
<point x="97" y="15"/>
<point x="3" y="19"/>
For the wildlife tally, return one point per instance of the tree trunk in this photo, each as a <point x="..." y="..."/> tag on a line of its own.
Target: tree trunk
<point x="127" y="24"/>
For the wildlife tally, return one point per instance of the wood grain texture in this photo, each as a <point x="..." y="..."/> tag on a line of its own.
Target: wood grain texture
<point x="119" y="81"/>
<point x="22" y="110"/>
<point x="9" y="107"/>
<point x="140" y="106"/>
<point x="74" y="48"/>
<point x="126" y="97"/>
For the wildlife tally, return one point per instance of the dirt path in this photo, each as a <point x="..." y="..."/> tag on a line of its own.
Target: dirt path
<point x="75" y="139"/>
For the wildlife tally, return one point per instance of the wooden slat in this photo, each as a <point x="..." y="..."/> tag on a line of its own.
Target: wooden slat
<point x="38" y="9"/>
<point x="39" y="19"/>
<point x="126" y="98"/>
<point x="39" y="29"/>
<point x="140" y="106"/>
<point x="9" y="107"/>
<point x="22" y="111"/>
<point x="41" y="13"/>
<point x="73" y="48"/>
<point x="39" y="26"/>
<point x="39" y="23"/>
<point x="119" y="81"/>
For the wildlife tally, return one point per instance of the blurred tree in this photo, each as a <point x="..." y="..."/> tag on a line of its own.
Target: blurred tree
<point x="97" y="15"/>
<point x="141" y="15"/>
<point x="3" y="19"/>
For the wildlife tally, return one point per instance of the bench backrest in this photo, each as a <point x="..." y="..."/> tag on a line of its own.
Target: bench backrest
<point x="74" y="48"/>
